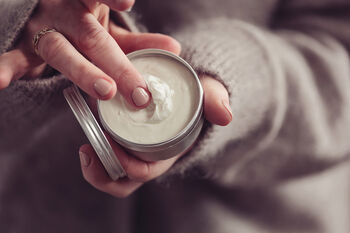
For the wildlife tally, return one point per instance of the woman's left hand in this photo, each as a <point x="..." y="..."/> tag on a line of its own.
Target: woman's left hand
<point x="217" y="111"/>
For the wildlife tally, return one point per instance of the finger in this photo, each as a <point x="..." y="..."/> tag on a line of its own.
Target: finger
<point x="95" y="174"/>
<point x="35" y="72"/>
<point x="216" y="102"/>
<point x="97" y="44"/>
<point x="130" y="42"/>
<point x="139" y="170"/>
<point x="6" y="75"/>
<point x="57" y="51"/>
<point x="118" y="5"/>
<point x="15" y="64"/>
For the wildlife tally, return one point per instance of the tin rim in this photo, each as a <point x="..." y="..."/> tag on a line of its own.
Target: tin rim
<point x="94" y="132"/>
<point x="190" y="125"/>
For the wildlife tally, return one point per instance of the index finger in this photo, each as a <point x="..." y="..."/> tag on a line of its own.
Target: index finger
<point x="97" y="44"/>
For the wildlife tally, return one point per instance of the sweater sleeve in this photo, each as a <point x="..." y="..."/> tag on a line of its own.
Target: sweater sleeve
<point x="289" y="92"/>
<point x="13" y="16"/>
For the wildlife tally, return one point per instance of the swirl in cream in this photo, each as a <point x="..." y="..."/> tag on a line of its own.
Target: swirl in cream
<point x="174" y="100"/>
<point x="161" y="104"/>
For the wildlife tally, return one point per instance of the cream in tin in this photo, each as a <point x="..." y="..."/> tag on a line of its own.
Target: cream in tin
<point x="173" y="104"/>
<point x="173" y="119"/>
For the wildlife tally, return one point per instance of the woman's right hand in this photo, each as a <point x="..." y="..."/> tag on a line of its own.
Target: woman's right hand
<point x="82" y="49"/>
<point x="217" y="111"/>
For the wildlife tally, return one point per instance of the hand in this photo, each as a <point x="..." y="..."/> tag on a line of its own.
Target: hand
<point x="82" y="49"/>
<point x="216" y="110"/>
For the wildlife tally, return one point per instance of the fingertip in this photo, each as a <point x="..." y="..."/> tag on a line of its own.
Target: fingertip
<point x="14" y="64"/>
<point x="140" y="97"/>
<point x="85" y="155"/>
<point x="217" y="108"/>
<point x="92" y="169"/>
<point x="136" y="41"/>
<point x="110" y="95"/>
<point x="172" y="45"/>
<point x="105" y="89"/>
<point x="217" y="113"/>
<point x="163" y="42"/>
<point x="86" y="148"/>
<point x="5" y="77"/>
<point x="124" y="5"/>
<point x="85" y="159"/>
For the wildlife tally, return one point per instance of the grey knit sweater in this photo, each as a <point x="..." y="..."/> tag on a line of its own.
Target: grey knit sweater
<point x="280" y="166"/>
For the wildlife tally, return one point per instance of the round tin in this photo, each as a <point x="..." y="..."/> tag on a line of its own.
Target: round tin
<point x="184" y="139"/>
<point x="148" y="152"/>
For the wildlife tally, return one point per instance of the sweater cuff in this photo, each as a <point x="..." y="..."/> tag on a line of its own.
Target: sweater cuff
<point x="13" y="14"/>
<point x="235" y="53"/>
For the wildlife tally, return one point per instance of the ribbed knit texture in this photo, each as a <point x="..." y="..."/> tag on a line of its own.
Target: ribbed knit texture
<point x="283" y="108"/>
<point x="14" y="15"/>
<point x="230" y="55"/>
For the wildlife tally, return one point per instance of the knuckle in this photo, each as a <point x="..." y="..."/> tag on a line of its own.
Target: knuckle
<point x="123" y="75"/>
<point x="92" y="38"/>
<point x="50" y="45"/>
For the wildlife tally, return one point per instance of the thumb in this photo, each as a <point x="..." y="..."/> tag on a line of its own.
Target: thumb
<point x="130" y="42"/>
<point x="216" y="102"/>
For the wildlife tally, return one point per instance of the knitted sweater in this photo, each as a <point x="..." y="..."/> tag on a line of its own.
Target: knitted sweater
<point x="280" y="166"/>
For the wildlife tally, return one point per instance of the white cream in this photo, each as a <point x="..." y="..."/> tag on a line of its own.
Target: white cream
<point x="161" y="105"/>
<point x="174" y="101"/>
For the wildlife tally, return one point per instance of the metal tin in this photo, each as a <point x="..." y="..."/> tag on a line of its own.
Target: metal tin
<point x="183" y="140"/>
<point x="93" y="132"/>
<point x="148" y="152"/>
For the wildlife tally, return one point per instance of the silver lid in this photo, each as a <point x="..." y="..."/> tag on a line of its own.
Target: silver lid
<point x="93" y="132"/>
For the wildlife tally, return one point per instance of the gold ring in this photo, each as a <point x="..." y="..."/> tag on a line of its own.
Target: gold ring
<point x="39" y="35"/>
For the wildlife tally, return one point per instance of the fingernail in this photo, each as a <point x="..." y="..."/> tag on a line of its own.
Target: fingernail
<point x="129" y="9"/>
<point x="102" y="87"/>
<point x="84" y="159"/>
<point x="228" y="108"/>
<point x="140" y="96"/>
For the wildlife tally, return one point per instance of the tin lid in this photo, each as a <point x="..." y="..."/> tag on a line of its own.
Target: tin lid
<point x="93" y="132"/>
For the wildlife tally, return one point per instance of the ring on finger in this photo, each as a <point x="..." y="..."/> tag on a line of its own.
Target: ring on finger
<point x="39" y="35"/>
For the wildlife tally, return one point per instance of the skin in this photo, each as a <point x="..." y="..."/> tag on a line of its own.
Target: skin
<point x="140" y="172"/>
<point x="83" y="50"/>
<point x="91" y="47"/>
